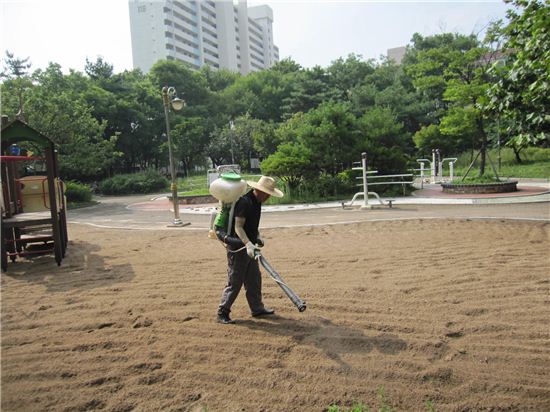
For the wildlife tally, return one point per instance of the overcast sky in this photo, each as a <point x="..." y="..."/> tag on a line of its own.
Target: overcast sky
<point x="311" y="32"/>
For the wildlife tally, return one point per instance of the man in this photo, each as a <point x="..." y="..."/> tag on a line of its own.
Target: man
<point x="242" y="265"/>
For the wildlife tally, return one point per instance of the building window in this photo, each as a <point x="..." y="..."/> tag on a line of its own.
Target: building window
<point x="142" y="9"/>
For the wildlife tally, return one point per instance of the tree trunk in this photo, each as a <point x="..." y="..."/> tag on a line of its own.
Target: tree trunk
<point x="516" y="154"/>
<point x="483" y="150"/>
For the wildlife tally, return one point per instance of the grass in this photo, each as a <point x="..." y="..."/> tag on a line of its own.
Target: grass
<point x="535" y="164"/>
<point x="383" y="405"/>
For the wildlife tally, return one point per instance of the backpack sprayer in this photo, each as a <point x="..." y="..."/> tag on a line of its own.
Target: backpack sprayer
<point x="227" y="189"/>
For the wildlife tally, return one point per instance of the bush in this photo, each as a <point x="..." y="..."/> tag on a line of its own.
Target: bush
<point x="146" y="182"/>
<point x="327" y="185"/>
<point x="78" y="192"/>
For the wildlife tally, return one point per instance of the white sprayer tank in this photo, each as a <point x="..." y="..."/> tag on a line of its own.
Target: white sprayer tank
<point x="228" y="188"/>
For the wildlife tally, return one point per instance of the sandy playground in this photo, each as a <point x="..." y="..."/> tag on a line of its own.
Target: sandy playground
<point x="449" y="312"/>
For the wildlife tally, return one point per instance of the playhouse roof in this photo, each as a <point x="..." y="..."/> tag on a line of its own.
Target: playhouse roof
<point x="18" y="131"/>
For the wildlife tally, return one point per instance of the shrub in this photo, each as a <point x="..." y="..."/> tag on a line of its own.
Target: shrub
<point x="146" y="182"/>
<point x="78" y="192"/>
<point x="328" y="185"/>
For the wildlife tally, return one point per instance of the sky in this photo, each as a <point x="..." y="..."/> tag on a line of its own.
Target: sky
<point x="310" y="32"/>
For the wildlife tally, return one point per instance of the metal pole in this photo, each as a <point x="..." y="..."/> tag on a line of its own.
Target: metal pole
<point x="232" y="128"/>
<point x="498" y="141"/>
<point x="365" y="182"/>
<point x="439" y="165"/>
<point x="173" y="186"/>
<point x="432" y="166"/>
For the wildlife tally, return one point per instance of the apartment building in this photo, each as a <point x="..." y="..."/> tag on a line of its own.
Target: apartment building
<point x="220" y="34"/>
<point x="396" y="54"/>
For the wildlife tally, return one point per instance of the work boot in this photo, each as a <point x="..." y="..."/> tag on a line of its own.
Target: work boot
<point x="223" y="317"/>
<point x="263" y="312"/>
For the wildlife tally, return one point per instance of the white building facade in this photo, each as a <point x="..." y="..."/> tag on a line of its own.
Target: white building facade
<point x="220" y="34"/>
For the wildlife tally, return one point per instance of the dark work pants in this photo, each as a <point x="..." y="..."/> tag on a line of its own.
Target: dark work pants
<point x="242" y="270"/>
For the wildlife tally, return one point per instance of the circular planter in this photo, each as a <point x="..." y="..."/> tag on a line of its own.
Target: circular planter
<point x="480" y="188"/>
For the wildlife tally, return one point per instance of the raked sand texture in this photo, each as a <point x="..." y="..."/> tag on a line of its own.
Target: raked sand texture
<point x="452" y="312"/>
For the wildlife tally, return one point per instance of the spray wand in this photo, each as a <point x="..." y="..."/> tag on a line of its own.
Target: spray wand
<point x="300" y="304"/>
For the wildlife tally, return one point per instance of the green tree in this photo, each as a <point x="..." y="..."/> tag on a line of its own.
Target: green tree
<point x="190" y="141"/>
<point x="60" y="112"/>
<point x="466" y="92"/>
<point x="347" y="73"/>
<point x="452" y="69"/>
<point x="310" y="88"/>
<point x="191" y="85"/>
<point x="520" y="96"/>
<point x="260" y="94"/>
<point x="384" y="140"/>
<point x="218" y="80"/>
<point x="426" y="62"/>
<point x="329" y="132"/>
<point x="292" y="162"/>
<point x="15" y="80"/>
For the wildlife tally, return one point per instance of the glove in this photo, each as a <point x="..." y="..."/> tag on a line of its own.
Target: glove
<point x="252" y="250"/>
<point x="259" y="242"/>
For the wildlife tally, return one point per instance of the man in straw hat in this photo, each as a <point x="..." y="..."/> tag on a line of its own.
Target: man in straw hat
<point x="243" y="268"/>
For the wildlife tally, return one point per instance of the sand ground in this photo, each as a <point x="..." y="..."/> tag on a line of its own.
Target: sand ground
<point x="454" y="313"/>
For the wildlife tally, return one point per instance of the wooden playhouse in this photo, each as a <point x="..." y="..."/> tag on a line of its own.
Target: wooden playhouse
<point x="34" y="219"/>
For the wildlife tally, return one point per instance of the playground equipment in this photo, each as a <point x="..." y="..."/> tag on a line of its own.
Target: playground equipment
<point x="436" y="168"/>
<point x="228" y="188"/>
<point x="33" y="207"/>
<point x="372" y="174"/>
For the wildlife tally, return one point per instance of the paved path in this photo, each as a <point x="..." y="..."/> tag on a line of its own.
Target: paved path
<point x="155" y="213"/>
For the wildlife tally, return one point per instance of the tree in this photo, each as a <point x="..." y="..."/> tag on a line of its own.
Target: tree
<point x="346" y="74"/>
<point x="384" y="140"/>
<point x="16" y="74"/>
<point x="426" y="62"/>
<point x="61" y="113"/>
<point x="292" y="162"/>
<point x="329" y="132"/>
<point x="520" y="96"/>
<point x="286" y="66"/>
<point x="190" y="141"/>
<point x="131" y="106"/>
<point x="191" y="85"/>
<point x="260" y="94"/>
<point x="218" y="80"/>
<point x="100" y="70"/>
<point x="310" y="88"/>
<point x="454" y="73"/>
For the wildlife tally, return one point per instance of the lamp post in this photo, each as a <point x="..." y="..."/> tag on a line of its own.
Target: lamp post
<point x="232" y="128"/>
<point x="169" y="99"/>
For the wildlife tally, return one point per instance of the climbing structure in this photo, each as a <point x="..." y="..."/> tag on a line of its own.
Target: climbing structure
<point x="34" y="219"/>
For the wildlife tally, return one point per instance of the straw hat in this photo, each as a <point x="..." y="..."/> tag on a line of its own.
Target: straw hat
<point x="266" y="184"/>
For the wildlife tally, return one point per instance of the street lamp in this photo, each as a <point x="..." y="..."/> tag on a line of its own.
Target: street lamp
<point x="169" y="99"/>
<point x="232" y="128"/>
